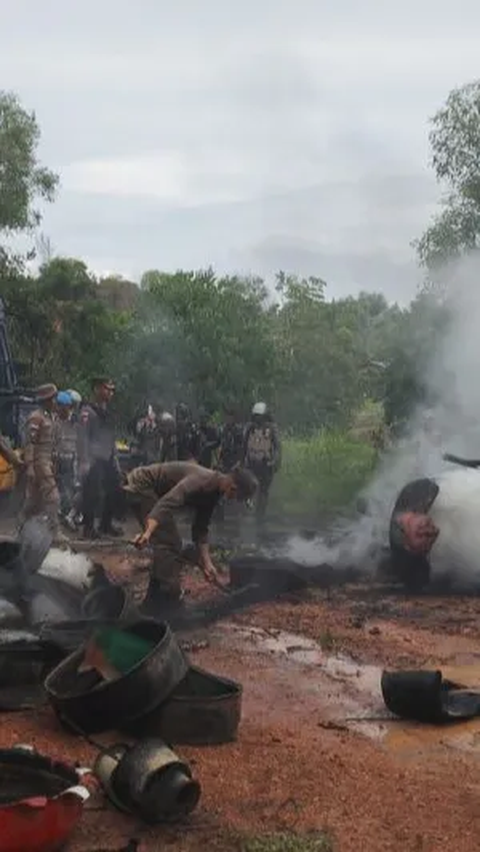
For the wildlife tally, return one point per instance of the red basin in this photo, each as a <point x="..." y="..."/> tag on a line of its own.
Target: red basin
<point x="41" y="801"/>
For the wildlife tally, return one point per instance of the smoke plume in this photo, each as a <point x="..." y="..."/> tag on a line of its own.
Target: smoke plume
<point x="450" y="424"/>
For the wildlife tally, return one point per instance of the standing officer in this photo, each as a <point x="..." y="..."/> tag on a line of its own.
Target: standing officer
<point x="65" y="453"/>
<point x="97" y="459"/>
<point x="41" y="493"/>
<point x="262" y="454"/>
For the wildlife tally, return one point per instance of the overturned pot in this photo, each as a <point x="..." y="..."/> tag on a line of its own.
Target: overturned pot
<point x="148" y="780"/>
<point x="41" y="801"/>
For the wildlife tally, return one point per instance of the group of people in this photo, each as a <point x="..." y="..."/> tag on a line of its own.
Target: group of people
<point x="256" y="446"/>
<point x="72" y="471"/>
<point x="70" y="462"/>
<point x="73" y="476"/>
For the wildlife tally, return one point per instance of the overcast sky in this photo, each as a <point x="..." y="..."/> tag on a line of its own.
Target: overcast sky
<point x="252" y="135"/>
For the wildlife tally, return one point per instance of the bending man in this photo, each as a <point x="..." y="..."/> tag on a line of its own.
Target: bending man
<point x="156" y="492"/>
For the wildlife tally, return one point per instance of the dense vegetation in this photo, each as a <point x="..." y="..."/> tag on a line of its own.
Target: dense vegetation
<point x="210" y="340"/>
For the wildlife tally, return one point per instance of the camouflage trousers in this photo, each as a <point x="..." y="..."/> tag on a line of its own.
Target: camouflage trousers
<point x="42" y="498"/>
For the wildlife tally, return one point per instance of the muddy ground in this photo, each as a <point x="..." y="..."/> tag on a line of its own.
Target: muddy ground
<point x="315" y="750"/>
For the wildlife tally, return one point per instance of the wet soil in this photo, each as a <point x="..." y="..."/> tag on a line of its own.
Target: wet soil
<point x="316" y="748"/>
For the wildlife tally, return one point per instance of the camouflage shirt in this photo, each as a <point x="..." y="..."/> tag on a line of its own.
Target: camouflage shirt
<point x="38" y="455"/>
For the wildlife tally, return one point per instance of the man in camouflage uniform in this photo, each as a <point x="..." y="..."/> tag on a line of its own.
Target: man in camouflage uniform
<point x="262" y="454"/>
<point x="65" y="453"/>
<point x="41" y="492"/>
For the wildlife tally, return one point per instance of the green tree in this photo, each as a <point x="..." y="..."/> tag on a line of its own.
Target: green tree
<point x="223" y="334"/>
<point x="455" y="147"/>
<point x="23" y="180"/>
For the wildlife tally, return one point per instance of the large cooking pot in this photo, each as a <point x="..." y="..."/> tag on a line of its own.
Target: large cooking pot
<point x="90" y="704"/>
<point x="204" y="709"/>
<point x="41" y="801"/>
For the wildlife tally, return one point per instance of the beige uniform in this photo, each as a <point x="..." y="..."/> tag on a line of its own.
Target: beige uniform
<point x="41" y="496"/>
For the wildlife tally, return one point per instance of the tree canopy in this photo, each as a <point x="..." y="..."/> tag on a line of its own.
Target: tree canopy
<point x="455" y="156"/>
<point x="23" y="180"/>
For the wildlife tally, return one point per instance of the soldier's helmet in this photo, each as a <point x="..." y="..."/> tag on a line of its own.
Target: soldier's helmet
<point x="64" y="398"/>
<point x="76" y="397"/>
<point x="259" y="409"/>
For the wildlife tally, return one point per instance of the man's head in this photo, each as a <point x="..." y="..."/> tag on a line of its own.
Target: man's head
<point x="167" y="423"/>
<point x="182" y="412"/>
<point x="419" y="533"/>
<point x="76" y="397"/>
<point x="103" y="389"/>
<point x="259" y="412"/>
<point x="239" y="484"/>
<point x="46" y="396"/>
<point x="64" y="403"/>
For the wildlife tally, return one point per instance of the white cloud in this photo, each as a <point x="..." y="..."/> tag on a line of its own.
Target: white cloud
<point x="195" y="133"/>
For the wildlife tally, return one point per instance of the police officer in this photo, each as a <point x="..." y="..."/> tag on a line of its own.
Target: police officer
<point x="231" y="442"/>
<point x="187" y="434"/>
<point x="41" y="492"/>
<point x="97" y="460"/>
<point x="168" y="443"/>
<point x="65" y="454"/>
<point x="209" y="439"/>
<point x="262" y="453"/>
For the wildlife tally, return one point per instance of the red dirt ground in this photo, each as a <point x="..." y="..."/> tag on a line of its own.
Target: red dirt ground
<point x="297" y="764"/>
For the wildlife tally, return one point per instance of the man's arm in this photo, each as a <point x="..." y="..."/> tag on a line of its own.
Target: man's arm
<point x="246" y="436"/>
<point x="83" y="441"/>
<point x="170" y="502"/>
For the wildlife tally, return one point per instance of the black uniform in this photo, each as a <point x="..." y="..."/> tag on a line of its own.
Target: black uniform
<point x="97" y="456"/>
<point x="231" y="446"/>
<point x="209" y="441"/>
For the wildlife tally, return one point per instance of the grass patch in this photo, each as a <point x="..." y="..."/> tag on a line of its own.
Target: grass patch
<point x="286" y="842"/>
<point x="321" y="474"/>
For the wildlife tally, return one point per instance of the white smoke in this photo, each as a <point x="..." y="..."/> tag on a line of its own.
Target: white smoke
<point x="452" y="425"/>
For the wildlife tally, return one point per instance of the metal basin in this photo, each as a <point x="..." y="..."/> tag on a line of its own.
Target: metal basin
<point x="204" y="709"/>
<point x="41" y="801"/>
<point x="85" y="702"/>
<point x="24" y="663"/>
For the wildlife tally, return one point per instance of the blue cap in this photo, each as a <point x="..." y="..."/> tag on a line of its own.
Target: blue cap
<point x="64" y="398"/>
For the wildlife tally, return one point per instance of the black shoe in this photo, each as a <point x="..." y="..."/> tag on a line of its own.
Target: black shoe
<point x="160" y="602"/>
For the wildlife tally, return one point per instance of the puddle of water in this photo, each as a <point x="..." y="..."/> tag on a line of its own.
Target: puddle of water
<point x="303" y="679"/>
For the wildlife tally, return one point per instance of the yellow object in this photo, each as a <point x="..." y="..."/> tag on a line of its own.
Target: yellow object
<point x="8" y="475"/>
<point x="122" y="445"/>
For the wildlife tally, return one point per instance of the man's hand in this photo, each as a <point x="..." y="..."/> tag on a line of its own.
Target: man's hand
<point x="210" y="573"/>
<point x="143" y="538"/>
